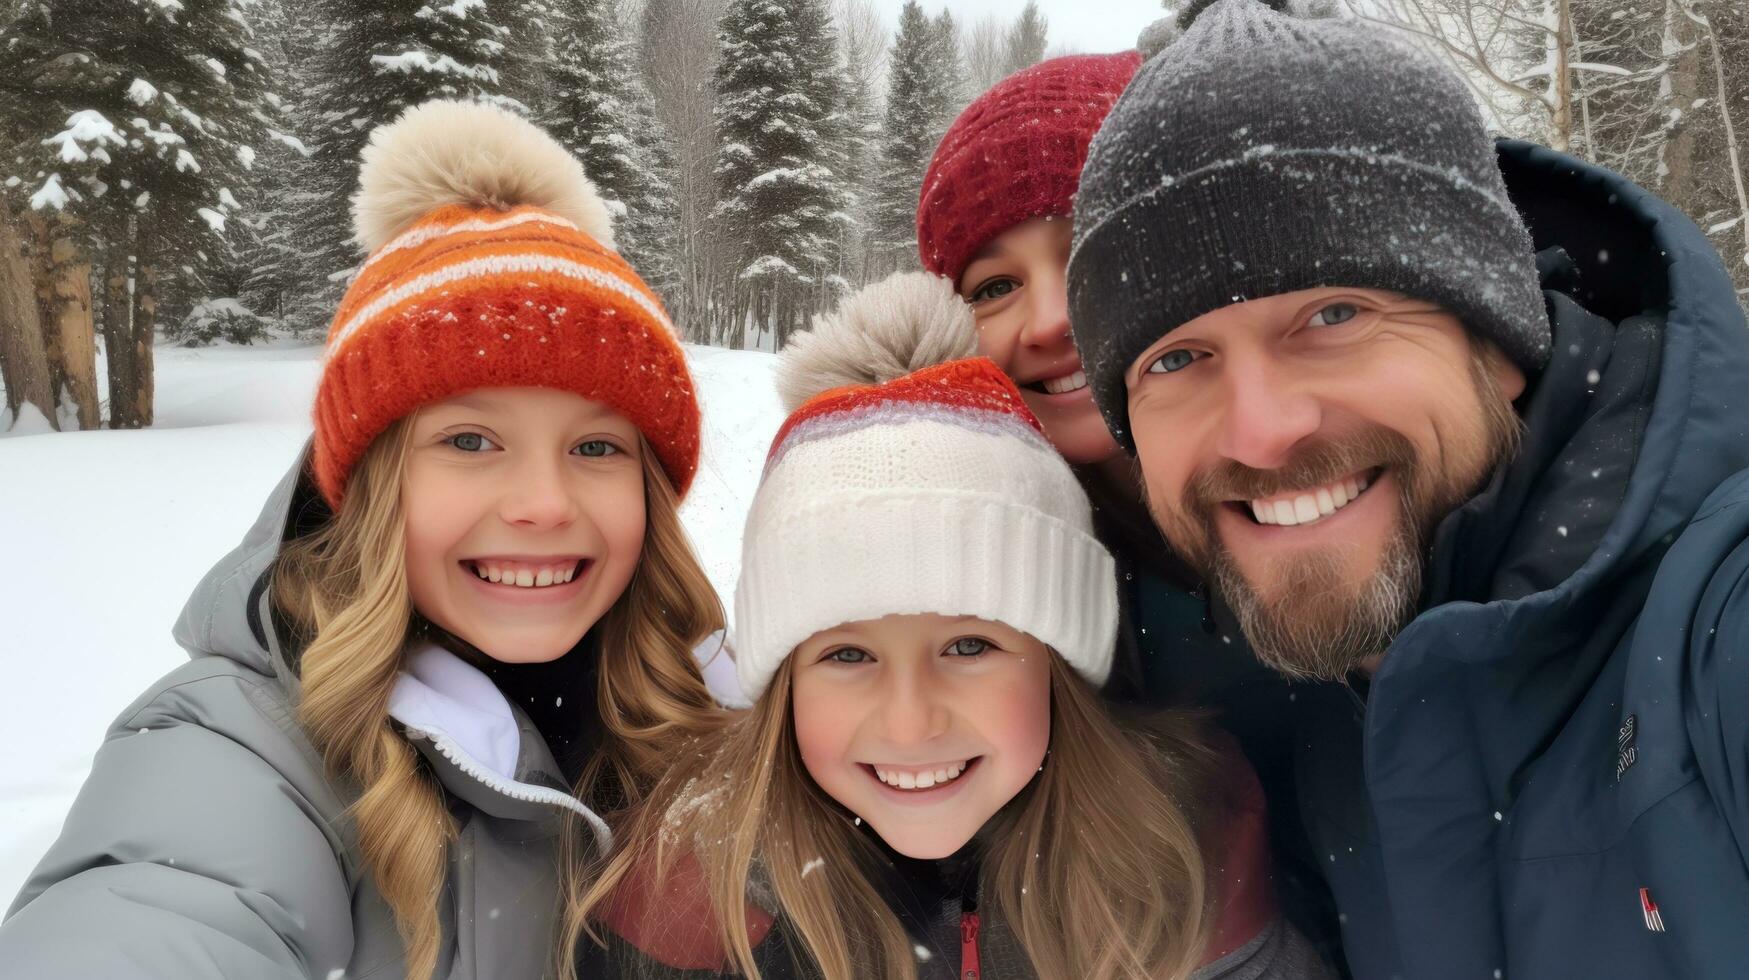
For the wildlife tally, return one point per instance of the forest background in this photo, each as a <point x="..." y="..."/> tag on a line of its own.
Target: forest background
<point x="177" y="171"/>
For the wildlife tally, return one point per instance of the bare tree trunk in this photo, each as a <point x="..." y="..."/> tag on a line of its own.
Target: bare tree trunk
<point x="118" y="335"/>
<point x="136" y="412"/>
<point x="1678" y="90"/>
<point x="25" y="360"/>
<point x="65" y="289"/>
<point x="1724" y="100"/>
<point x="1561" y="78"/>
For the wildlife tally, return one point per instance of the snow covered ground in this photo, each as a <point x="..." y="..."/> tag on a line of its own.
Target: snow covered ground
<point x="105" y="534"/>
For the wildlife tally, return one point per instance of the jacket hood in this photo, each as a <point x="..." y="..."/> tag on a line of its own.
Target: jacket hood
<point x="227" y="614"/>
<point x="1640" y="415"/>
<point x="1533" y="584"/>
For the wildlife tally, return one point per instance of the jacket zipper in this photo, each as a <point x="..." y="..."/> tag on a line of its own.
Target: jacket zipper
<point x="525" y="792"/>
<point x="969" y="967"/>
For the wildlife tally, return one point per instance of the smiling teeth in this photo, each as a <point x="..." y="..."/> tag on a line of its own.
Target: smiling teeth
<point x="920" y="780"/>
<point x="1310" y="506"/>
<point x="1066" y="383"/>
<point x="525" y="576"/>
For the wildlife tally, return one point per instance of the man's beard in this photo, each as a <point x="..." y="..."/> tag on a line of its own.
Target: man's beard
<point x="1315" y="623"/>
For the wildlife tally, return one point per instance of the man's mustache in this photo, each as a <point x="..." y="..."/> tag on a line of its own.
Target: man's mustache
<point x="1312" y="464"/>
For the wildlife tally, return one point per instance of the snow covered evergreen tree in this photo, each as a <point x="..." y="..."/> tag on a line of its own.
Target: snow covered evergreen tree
<point x="919" y="99"/>
<point x="602" y="113"/>
<point x="1026" y="40"/>
<point x="272" y="276"/>
<point x="949" y="70"/>
<point x="862" y="37"/>
<point x="133" y="126"/>
<point x="373" y="59"/>
<point x="780" y="200"/>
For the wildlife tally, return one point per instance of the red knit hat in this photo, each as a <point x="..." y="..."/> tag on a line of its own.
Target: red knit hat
<point x="491" y="265"/>
<point x="1014" y="154"/>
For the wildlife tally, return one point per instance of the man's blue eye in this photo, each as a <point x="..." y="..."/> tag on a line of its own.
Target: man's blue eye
<point x="1335" y="313"/>
<point x="597" y="447"/>
<point x="1172" y="360"/>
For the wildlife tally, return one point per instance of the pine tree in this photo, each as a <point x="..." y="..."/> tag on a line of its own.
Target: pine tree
<point x="273" y="276"/>
<point x="863" y="42"/>
<point x="949" y="71"/>
<point x="1026" y="40"/>
<point x="779" y="197"/>
<point x="135" y="123"/>
<point x="839" y="134"/>
<point x="602" y="113"/>
<point x="918" y="102"/>
<point x="677" y="56"/>
<point x="374" y="59"/>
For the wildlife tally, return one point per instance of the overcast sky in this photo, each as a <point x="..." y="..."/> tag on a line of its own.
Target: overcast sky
<point x="1091" y="26"/>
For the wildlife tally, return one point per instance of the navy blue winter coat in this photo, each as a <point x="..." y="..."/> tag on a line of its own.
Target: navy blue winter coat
<point x="1549" y="776"/>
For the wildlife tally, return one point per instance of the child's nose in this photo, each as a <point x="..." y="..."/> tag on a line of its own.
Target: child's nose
<point x="537" y="495"/>
<point x="912" y="710"/>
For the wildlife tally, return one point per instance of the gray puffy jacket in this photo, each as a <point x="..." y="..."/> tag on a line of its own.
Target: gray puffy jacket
<point x="209" y="842"/>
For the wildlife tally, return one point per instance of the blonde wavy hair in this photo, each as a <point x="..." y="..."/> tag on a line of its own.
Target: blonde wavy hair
<point x="1095" y="867"/>
<point x="343" y="588"/>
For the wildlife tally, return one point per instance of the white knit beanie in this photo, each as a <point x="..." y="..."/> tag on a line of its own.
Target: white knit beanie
<point x="935" y="492"/>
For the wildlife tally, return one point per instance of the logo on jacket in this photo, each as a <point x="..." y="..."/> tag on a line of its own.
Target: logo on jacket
<point x="1649" y="908"/>
<point x="1626" y="754"/>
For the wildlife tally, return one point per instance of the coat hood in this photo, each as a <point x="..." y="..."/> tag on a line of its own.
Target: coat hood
<point x="1533" y="584"/>
<point x="228" y="613"/>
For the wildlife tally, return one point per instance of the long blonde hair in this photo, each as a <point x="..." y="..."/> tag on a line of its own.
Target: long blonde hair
<point x="343" y="587"/>
<point x="1095" y="867"/>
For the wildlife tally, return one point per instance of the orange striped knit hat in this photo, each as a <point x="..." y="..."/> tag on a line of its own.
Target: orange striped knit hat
<point x="490" y="265"/>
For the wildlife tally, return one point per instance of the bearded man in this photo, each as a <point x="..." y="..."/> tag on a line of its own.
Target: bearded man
<point x="1455" y="429"/>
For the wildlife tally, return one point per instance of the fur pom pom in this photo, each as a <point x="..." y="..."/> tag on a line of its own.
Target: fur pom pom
<point x="452" y="152"/>
<point x="905" y="322"/>
<point x="1195" y="8"/>
<point x="1156" y="36"/>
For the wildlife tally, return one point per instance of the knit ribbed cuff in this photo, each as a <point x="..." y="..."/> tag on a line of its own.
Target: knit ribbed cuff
<point x="1358" y="218"/>
<point x="913" y="552"/>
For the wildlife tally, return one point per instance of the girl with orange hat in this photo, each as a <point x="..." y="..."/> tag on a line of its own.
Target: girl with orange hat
<point x="464" y="619"/>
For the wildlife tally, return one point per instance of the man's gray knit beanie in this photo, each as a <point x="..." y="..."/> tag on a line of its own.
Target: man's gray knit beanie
<point x="1260" y="154"/>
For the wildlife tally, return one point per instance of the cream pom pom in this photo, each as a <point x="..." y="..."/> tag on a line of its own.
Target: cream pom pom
<point x="905" y="322"/>
<point x="453" y="152"/>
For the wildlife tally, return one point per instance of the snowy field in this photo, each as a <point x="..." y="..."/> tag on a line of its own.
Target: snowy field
<point x="106" y="533"/>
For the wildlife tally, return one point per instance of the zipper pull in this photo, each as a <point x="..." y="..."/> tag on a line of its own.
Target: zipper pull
<point x="969" y="946"/>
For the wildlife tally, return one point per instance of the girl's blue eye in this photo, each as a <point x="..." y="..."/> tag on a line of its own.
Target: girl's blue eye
<point x="994" y="289"/>
<point x="969" y="646"/>
<point x="1335" y="313"/>
<point x="470" y="442"/>
<point x="596" y="447"/>
<point x="1173" y="360"/>
<point x="848" y="655"/>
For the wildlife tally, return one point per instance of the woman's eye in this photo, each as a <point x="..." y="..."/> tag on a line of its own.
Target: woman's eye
<point x="1173" y="360"/>
<point x="596" y="447"/>
<point x="969" y="646"/>
<point x="470" y="442"/>
<point x="1334" y="314"/>
<point x="994" y="289"/>
<point x="848" y="655"/>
